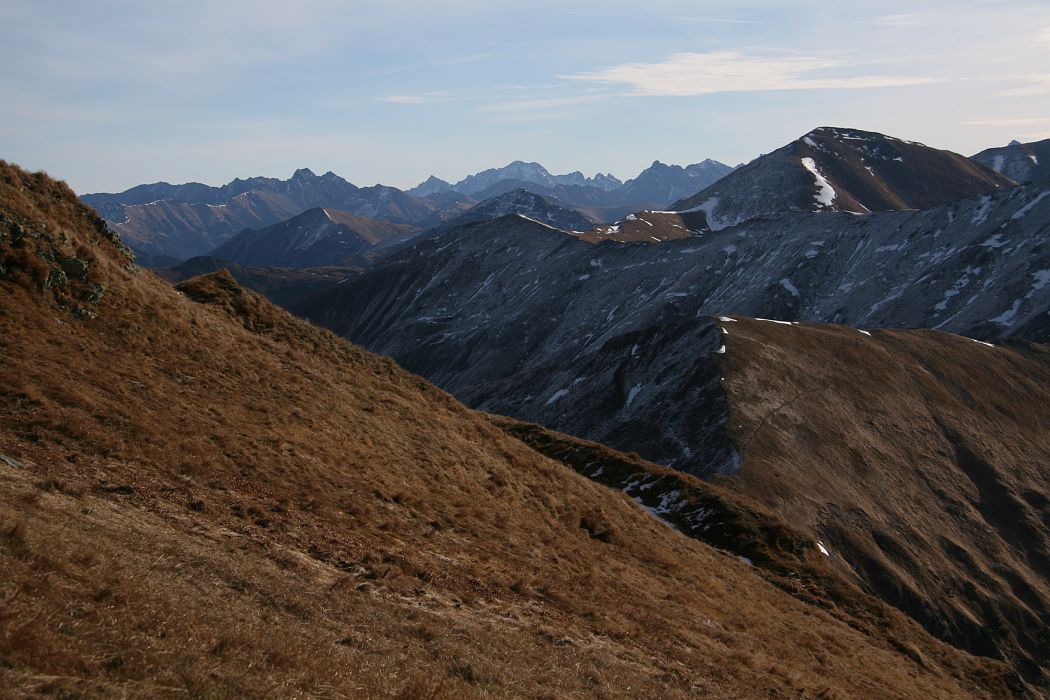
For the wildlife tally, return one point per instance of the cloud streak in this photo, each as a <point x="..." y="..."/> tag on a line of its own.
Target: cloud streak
<point x="421" y="98"/>
<point x="1036" y="84"/>
<point x="689" y="74"/>
<point x="1012" y="121"/>
<point x="543" y="103"/>
<point x="908" y="19"/>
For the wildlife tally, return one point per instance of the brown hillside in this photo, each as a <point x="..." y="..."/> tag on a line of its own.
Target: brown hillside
<point x="648" y="226"/>
<point x="203" y="495"/>
<point x="921" y="459"/>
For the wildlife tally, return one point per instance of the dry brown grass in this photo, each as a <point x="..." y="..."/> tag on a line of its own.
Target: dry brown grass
<point x="211" y="498"/>
<point x="921" y="458"/>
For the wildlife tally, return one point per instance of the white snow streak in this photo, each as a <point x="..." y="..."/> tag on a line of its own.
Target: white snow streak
<point x="1019" y="214"/>
<point x="826" y="195"/>
<point x="981" y="215"/>
<point x="1042" y="278"/>
<point x="556" y="395"/>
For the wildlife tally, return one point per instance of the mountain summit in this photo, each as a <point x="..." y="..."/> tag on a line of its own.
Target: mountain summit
<point x="837" y="169"/>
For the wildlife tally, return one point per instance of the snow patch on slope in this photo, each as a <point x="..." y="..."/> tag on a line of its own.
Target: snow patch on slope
<point x="826" y="194"/>
<point x="556" y="395"/>
<point x="708" y="207"/>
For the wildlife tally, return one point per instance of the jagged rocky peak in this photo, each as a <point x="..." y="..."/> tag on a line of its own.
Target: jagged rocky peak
<point x="531" y="173"/>
<point x="663" y="183"/>
<point x="607" y="182"/>
<point x="304" y="174"/>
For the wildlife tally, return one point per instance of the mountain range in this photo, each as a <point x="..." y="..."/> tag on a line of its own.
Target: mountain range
<point x="524" y="172"/>
<point x="166" y="223"/>
<point x="193" y="219"/>
<point x="203" y="495"/>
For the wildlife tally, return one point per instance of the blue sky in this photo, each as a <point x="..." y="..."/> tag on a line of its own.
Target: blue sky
<point x="109" y="94"/>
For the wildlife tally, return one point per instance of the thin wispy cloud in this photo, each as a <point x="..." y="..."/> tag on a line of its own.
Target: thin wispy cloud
<point x="1012" y="121"/>
<point x="1032" y="85"/>
<point x="907" y="19"/>
<point x="542" y="103"/>
<point x="422" y="98"/>
<point x="655" y="16"/>
<point x="690" y="74"/>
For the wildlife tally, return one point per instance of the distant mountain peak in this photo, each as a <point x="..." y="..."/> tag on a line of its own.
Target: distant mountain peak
<point x="432" y="185"/>
<point x="520" y="201"/>
<point x="660" y="183"/>
<point x="842" y="169"/>
<point x="321" y="236"/>
<point x="1021" y="162"/>
<point x="303" y="174"/>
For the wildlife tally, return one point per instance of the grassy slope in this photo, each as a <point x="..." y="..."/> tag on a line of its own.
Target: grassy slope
<point x="200" y="493"/>
<point x="920" y="458"/>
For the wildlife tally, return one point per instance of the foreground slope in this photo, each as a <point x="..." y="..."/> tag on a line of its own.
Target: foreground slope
<point x="836" y="169"/>
<point x="204" y="495"/>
